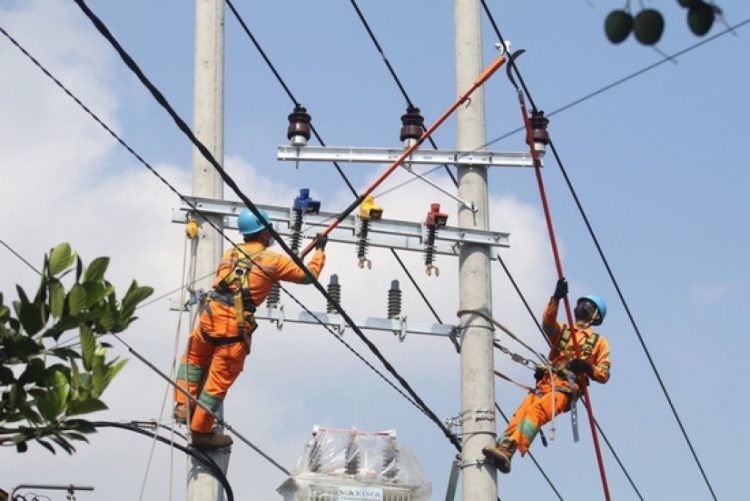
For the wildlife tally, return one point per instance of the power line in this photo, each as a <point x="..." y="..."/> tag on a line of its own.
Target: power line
<point x="19" y="256"/>
<point x="182" y="125"/>
<point x="603" y="257"/>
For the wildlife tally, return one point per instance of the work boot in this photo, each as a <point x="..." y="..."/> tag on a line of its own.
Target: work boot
<point x="501" y="454"/>
<point x="210" y="440"/>
<point x="180" y="413"/>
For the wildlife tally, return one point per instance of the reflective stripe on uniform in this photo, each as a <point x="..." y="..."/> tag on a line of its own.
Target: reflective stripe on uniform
<point x="194" y="373"/>
<point x="210" y="401"/>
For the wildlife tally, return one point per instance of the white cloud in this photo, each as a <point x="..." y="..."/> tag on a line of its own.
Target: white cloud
<point x="706" y="294"/>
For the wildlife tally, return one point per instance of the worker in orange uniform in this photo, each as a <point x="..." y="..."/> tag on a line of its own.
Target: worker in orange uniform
<point x="544" y="402"/>
<point x="219" y="344"/>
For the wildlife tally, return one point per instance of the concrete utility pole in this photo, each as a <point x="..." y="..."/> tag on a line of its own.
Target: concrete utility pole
<point x="208" y="126"/>
<point x="477" y="362"/>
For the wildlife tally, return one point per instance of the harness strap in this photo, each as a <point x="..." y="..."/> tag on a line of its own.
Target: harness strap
<point x="221" y="341"/>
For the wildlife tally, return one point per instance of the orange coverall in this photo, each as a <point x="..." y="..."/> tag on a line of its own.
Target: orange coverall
<point x="536" y="409"/>
<point x="218" y="324"/>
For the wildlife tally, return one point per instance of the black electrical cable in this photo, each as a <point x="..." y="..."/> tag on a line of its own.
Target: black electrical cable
<point x="619" y="81"/>
<point x="199" y="212"/>
<point x="396" y="79"/>
<point x="601" y="253"/>
<point x="255" y="42"/>
<point x="183" y="126"/>
<point x="196" y="453"/>
<point x="11" y="249"/>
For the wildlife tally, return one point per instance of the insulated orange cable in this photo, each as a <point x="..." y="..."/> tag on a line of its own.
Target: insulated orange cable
<point x="558" y="265"/>
<point x="483" y="77"/>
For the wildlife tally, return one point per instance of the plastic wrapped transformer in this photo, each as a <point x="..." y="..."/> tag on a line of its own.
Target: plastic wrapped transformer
<point x="351" y="465"/>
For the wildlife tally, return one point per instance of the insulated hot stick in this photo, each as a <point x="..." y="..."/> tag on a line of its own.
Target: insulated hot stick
<point x="538" y="136"/>
<point x="483" y="77"/>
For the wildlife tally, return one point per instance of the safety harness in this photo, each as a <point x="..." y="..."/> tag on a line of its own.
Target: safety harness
<point x="233" y="290"/>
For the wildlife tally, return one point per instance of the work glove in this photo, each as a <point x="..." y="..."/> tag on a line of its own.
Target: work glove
<point x="561" y="289"/>
<point x="321" y="241"/>
<point x="579" y="366"/>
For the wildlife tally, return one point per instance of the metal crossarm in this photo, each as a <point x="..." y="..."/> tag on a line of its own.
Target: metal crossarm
<point x="386" y="233"/>
<point x="389" y="155"/>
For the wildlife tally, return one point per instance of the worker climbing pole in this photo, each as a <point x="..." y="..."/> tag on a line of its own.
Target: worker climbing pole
<point x="537" y="138"/>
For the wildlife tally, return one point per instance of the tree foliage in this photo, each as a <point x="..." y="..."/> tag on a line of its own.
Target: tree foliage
<point x="48" y="378"/>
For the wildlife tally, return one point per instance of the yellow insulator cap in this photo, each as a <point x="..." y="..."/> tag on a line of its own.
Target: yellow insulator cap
<point x="369" y="210"/>
<point x="191" y="228"/>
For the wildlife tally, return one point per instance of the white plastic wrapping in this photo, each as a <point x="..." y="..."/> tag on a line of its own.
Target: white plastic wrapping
<point x="350" y="465"/>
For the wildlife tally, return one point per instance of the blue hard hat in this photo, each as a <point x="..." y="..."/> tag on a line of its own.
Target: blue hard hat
<point x="249" y="224"/>
<point x="601" y="306"/>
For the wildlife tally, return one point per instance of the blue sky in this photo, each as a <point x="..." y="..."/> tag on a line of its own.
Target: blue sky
<point x="657" y="162"/>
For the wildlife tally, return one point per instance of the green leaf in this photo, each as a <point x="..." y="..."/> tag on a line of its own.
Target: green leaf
<point x="77" y="298"/>
<point x="65" y="353"/>
<point x="31" y="317"/>
<point x="96" y="269"/>
<point x="97" y="292"/>
<point x="60" y="258"/>
<point x="98" y="376"/>
<point x="48" y="405"/>
<point x="135" y="295"/>
<point x="33" y="373"/>
<point x="6" y="376"/>
<point x="86" y="406"/>
<point x="112" y="370"/>
<point x="88" y="346"/>
<point x="47" y="445"/>
<point x="61" y="387"/>
<point x="56" y="298"/>
<point x="63" y="443"/>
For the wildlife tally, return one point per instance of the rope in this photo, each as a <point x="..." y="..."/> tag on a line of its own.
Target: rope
<point x="166" y="390"/>
<point x="558" y="265"/>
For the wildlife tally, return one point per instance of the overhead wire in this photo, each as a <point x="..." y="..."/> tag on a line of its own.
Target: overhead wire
<point x="514" y="67"/>
<point x="11" y="249"/>
<point x="183" y="126"/>
<point x="197" y="211"/>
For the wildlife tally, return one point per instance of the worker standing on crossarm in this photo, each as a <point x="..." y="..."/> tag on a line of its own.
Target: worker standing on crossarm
<point x="568" y="370"/>
<point x="219" y="344"/>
